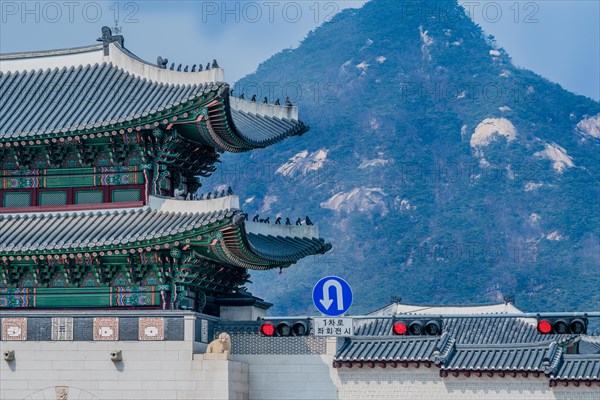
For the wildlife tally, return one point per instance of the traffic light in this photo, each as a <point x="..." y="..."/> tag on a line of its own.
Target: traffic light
<point x="418" y="327"/>
<point x="285" y="328"/>
<point x="562" y="325"/>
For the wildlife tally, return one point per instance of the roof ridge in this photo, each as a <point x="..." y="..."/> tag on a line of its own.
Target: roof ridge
<point x="520" y="345"/>
<point x="51" y="52"/>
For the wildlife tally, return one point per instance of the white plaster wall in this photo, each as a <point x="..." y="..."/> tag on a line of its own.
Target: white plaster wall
<point x="426" y="384"/>
<point x="275" y="377"/>
<point x="149" y="370"/>
<point x="259" y="108"/>
<point x="169" y="370"/>
<point x="95" y="55"/>
<point x="259" y="228"/>
<point x="281" y="377"/>
<point x="194" y="206"/>
<point x="242" y="313"/>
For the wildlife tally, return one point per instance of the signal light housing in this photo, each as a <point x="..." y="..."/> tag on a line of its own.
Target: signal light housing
<point x="433" y="328"/>
<point x="418" y="327"/>
<point x="300" y="328"/>
<point x="285" y="328"/>
<point x="578" y="326"/>
<point x="562" y="326"/>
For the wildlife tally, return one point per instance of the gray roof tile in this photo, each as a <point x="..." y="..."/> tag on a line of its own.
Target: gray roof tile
<point x="542" y="357"/>
<point x="471" y="330"/>
<point x="20" y="233"/>
<point x="396" y="349"/>
<point x="63" y="99"/>
<point x="578" y="367"/>
<point x="589" y="345"/>
<point x="285" y="249"/>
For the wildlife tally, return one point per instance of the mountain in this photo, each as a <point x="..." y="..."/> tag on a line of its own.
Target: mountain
<point x="440" y="172"/>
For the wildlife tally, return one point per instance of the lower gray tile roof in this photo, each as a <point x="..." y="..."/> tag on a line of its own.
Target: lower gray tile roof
<point x="578" y="367"/>
<point x="476" y="344"/>
<point x="410" y="348"/>
<point x="589" y="344"/>
<point x="496" y="330"/>
<point x="505" y="357"/>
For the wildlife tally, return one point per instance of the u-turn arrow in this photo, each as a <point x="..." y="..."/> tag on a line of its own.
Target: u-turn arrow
<point x="326" y="301"/>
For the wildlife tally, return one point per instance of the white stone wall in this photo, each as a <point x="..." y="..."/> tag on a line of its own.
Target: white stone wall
<point x="426" y="384"/>
<point x="276" y="377"/>
<point x="169" y="370"/>
<point x="281" y="377"/>
<point x="149" y="370"/>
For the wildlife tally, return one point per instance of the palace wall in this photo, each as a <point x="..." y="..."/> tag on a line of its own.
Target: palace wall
<point x="301" y="368"/>
<point x="426" y="384"/>
<point x="164" y="367"/>
<point x="262" y="368"/>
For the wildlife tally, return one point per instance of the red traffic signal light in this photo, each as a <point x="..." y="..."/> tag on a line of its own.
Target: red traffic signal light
<point x="267" y="329"/>
<point x="562" y="326"/>
<point x="544" y="326"/>
<point x="399" y="328"/>
<point x="418" y="327"/>
<point x="285" y="328"/>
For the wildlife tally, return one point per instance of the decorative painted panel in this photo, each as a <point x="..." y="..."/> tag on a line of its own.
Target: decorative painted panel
<point x="17" y="298"/>
<point x="151" y="329"/>
<point x="106" y="328"/>
<point x="62" y="328"/>
<point x="14" y="329"/>
<point x="72" y="297"/>
<point x="132" y="296"/>
<point x="70" y="177"/>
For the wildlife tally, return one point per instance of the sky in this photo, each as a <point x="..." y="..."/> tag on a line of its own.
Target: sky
<point x="558" y="39"/>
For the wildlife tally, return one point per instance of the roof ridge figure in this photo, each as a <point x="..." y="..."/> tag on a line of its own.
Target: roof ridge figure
<point x="108" y="38"/>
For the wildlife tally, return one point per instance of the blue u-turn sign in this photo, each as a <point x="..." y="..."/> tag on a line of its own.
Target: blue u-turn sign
<point x="332" y="296"/>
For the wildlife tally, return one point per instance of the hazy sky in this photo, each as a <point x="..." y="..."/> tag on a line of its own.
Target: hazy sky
<point x="559" y="40"/>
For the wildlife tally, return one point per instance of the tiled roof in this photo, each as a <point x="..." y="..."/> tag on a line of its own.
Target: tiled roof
<point x="473" y="344"/>
<point x="397" y="308"/>
<point x="589" y="344"/>
<point x="78" y="91"/>
<point x="262" y="130"/>
<point x="471" y="330"/>
<point x="496" y="330"/>
<point x="59" y="233"/>
<point x="506" y="357"/>
<point x="48" y="232"/>
<point x="85" y="97"/>
<point x="578" y="367"/>
<point x="395" y="349"/>
<point x="286" y="249"/>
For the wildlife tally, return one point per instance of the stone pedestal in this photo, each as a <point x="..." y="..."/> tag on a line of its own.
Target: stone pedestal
<point x="225" y="379"/>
